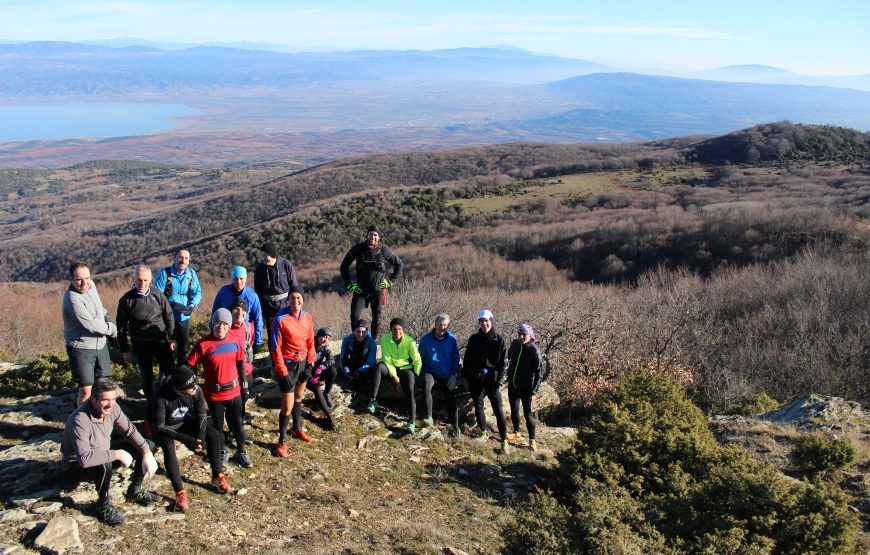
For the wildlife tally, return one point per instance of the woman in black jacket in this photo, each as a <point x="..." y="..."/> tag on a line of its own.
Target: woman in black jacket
<point x="524" y="377"/>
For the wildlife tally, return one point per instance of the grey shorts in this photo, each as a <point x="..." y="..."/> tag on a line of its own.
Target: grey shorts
<point x="89" y="364"/>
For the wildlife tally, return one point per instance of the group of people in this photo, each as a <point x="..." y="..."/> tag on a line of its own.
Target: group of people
<point x="153" y="325"/>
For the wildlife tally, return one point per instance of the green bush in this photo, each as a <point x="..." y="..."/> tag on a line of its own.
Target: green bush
<point x="50" y="372"/>
<point x="814" y="453"/>
<point x="645" y="475"/>
<point x="750" y="405"/>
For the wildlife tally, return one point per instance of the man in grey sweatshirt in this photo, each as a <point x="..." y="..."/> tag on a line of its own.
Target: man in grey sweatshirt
<point x="89" y="452"/>
<point x="85" y="328"/>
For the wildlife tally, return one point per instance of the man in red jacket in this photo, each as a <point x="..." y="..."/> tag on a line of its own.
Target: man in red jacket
<point x="292" y="346"/>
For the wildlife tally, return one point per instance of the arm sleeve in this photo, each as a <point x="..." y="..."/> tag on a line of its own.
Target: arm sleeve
<point x="275" y="341"/>
<point x="168" y="319"/>
<point x="536" y="369"/>
<point x="396" y="262"/>
<point x="454" y="358"/>
<point x="122" y="320"/>
<point x="201" y="409"/>
<point x="194" y="356"/>
<point x="345" y="267"/>
<point x="124" y="426"/>
<point x="215" y="304"/>
<point x="309" y="342"/>
<point x="160" y="280"/>
<point x="291" y="274"/>
<point x="415" y="358"/>
<point x="372" y="358"/>
<point x="256" y="316"/>
<point x="501" y="362"/>
<point x="83" y="316"/>
<point x="160" y="420"/>
<point x="195" y="291"/>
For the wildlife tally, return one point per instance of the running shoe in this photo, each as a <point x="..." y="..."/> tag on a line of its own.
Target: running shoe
<point x="483" y="437"/>
<point x="142" y="496"/>
<point x="411" y="426"/>
<point x="373" y="406"/>
<point x="429" y="421"/>
<point x="533" y="444"/>
<point x="221" y="484"/>
<point x="299" y="434"/>
<point x="281" y="450"/>
<point x="181" y="503"/>
<point x="514" y="436"/>
<point x="505" y="448"/>
<point x="109" y="514"/>
<point x="241" y="458"/>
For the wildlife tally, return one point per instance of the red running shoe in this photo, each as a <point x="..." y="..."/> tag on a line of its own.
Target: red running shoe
<point x="181" y="503"/>
<point x="221" y="484"/>
<point x="299" y="434"/>
<point x="281" y="450"/>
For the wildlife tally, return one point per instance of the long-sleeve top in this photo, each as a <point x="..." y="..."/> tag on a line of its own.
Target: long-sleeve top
<point x="292" y="339"/>
<point x="244" y="334"/>
<point x="145" y="317"/>
<point x="86" y="437"/>
<point x="485" y="350"/>
<point x="400" y="356"/>
<point x="370" y="266"/>
<point x="274" y="280"/>
<point x="227" y="295"/>
<point x="440" y="356"/>
<point x="186" y="290"/>
<point x="84" y="319"/>
<point x="223" y="362"/>
<point x="358" y="355"/>
<point x="524" y="367"/>
<point x="172" y="410"/>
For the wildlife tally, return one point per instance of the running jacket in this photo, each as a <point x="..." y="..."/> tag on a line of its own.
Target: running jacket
<point x="227" y="295"/>
<point x="359" y="355"/>
<point x="401" y="356"/>
<point x="292" y="339"/>
<point x="487" y="350"/>
<point x="186" y="290"/>
<point x="440" y="356"/>
<point x="524" y="367"/>
<point x="222" y="363"/>
<point x="370" y="266"/>
<point x="145" y="317"/>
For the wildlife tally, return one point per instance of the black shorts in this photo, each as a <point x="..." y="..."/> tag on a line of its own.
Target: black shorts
<point x="297" y="372"/>
<point x="89" y="364"/>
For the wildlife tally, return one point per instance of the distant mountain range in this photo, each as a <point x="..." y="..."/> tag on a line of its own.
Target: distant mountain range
<point x="329" y="104"/>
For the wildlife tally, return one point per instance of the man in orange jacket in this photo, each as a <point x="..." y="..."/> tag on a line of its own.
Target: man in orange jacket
<point x="292" y="342"/>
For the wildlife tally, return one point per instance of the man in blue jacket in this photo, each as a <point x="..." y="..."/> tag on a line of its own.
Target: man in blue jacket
<point x="359" y="351"/>
<point x="180" y="285"/>
<point x="238" y="289"/>
<point x="440" y="354"/>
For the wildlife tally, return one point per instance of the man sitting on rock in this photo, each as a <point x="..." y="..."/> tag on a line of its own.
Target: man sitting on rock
<point x="90" y="454"/>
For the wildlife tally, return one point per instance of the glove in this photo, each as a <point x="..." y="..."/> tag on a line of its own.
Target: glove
<point x="123" y="456"/>
<point x="386" y="284"/>
<point x="314" y="381"/>
<point x="354" y="288"/>
<point x="318" y="371"/>
<point x="149" y="465"/>
<point x="345" y="371"/>
<point x="451" y="382"/>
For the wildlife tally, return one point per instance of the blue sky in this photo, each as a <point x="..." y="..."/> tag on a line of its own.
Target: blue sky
<point x="811" y="37"/>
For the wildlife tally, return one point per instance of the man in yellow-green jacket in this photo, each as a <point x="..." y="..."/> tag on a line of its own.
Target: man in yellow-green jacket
<point x="400" y="360"/>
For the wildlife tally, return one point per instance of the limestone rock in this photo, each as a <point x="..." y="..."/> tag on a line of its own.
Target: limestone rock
<point x="814" y="412"/>
<point x="47" y="508"/>
<point x="60" y="536"/>
<point x="13" y="515"/>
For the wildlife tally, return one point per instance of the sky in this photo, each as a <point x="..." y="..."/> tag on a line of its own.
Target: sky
<point x="816" y="37"/>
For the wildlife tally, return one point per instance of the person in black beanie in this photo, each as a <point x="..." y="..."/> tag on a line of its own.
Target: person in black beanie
<point x="371" y="284"/>
<point x="182" y="415"/>
<point x="273" y="279"/>
<point x="323" y="374"/>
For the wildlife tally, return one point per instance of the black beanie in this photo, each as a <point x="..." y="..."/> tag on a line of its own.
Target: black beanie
<point x="396" y="321"/>
<point x="374" y="228"/>
<point x="183" y="377"/>
<point x="323" y="331"/>
<point x="240" y="303"/>
<point x="271" y="249"/>
<point x="362" y="324"/>
<point x="297" y="289"/>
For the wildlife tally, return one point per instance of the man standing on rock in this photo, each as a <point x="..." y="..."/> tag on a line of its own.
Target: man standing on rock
<point x="370" y="287"/>
<point x="235" y="290"/>
<point x="180" y="284"/>
<point x="440" y="355"/>
<point x="85" y="328"/>
<point x="145" y="320"/>
<point x="273" y="279"/>
<point x="89" y="453"/>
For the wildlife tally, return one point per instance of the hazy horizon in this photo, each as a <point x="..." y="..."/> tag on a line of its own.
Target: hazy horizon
<point x="679" y="36"/>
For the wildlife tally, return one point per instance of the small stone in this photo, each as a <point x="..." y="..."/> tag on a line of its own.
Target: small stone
<point x="414" y="459"/>
<point x="61" y="535"/>
<point x="243" y="491"/>
<point x="453" y="551"/>
<point x="352" y="513"/>
<point x="239" y="532"/>
<point x="47" y="508"/>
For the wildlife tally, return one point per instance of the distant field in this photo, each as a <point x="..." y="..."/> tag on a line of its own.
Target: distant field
<point x="572" y="188"/>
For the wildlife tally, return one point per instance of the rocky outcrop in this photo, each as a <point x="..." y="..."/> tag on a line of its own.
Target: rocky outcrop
<point x="818" y="412"/>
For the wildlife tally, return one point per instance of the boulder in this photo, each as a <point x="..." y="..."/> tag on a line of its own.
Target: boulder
<point x="813" y="412"/>
<point x="545" y="398"/>
<point x="61" y="535"/>
<point x="31" y="466"/>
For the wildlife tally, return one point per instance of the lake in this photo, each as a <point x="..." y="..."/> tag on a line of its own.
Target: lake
<point x="60" y="120"/>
